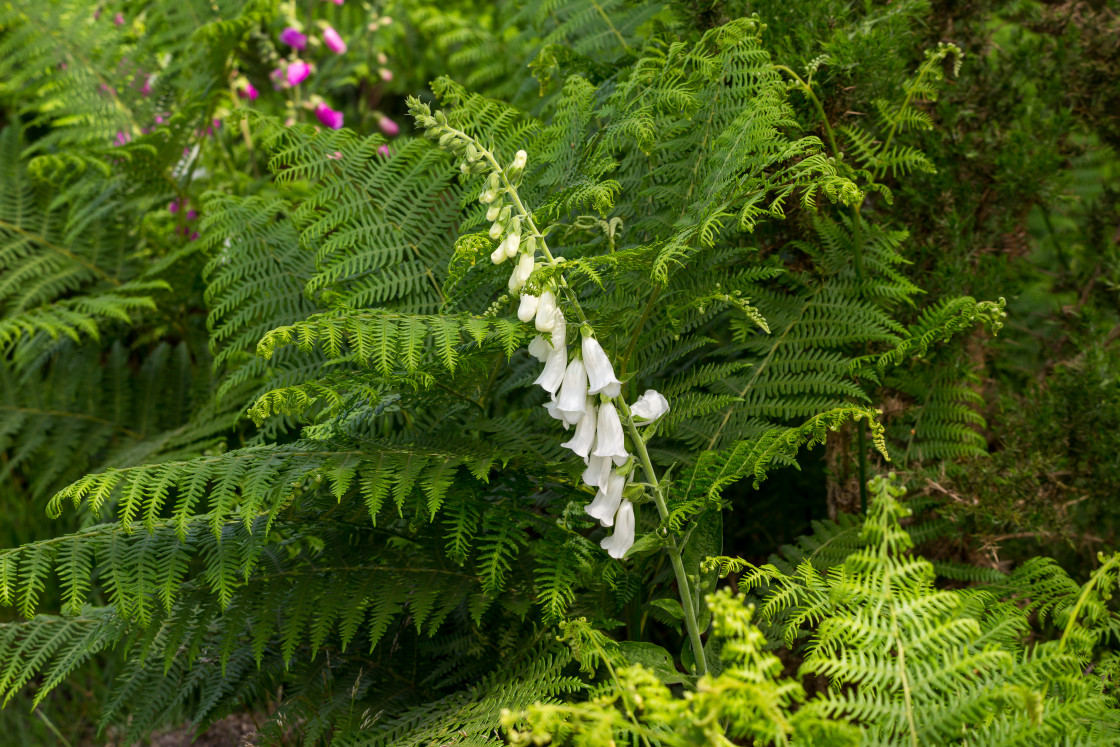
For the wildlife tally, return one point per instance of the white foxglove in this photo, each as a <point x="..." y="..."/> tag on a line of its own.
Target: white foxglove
<point x="496" y="229"/>
<point x="539" y="347"/>
<point x="492" y="212"/>
<point x="608" y="435"/>
<point x="557" y="360"/>
<point x="605" y="505"/>
<point x="573" y="393"/>
<point x="623" y="538"/>
<point x="600" y="372"/>
<point x="598" y="470"/>
<point x="584" y="437"/>
<point x="498" y="255"/>
<point x="545" y="317"/>
<point x="650" y="406"/>
<point x="519" y="160"/>
<point x="513" y="244"/>
<point x="525" y="312"/>
<point x="553" y="374"/>
<point x="551" y="406"/>
<point x="520" y="276"/>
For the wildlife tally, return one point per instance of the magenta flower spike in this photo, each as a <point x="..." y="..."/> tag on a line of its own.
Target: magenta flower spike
<point x="333" y="40"/>
<point x="389" y="127"/>
<point x="293" y="38"/>
<point x="329" y="116"/>
<point x="298" y="72"/>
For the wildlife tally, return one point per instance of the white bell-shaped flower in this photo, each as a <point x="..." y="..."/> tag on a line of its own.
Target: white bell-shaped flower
<point x="600" y="372"/>
<point x="496" y="229"/>
<point x="573" y="393"/>
<point x="650" y="406"/>
<point x="553" y="374"/>
<point x="609" y="441"/>
<point x="545" y="317"/>
<point x="539" y="347"/>
<point x="552" y="406"/>
<point x="605" y="505"/>
<point x="498" y="255"/>
<point x="623" y="538"/>
<point x="584" y="437"/>
<point x="525" y="312"/>
<point x="598" y="470"/>
<point x="492" y="211"/>
<point x="520" y="276"/>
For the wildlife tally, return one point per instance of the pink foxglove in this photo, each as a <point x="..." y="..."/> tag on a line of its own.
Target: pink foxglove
<point x="297" y="72"/>
<point x="606" y="502"/>
<point x="333" y="40"/>
<point x="294" y="39"/>
<point x="650" y="406"/>
<point x="600" y="372"/>
<point x="329" y="116"/>
<point x="608" y="431"/>
<point x="623" y="538"/>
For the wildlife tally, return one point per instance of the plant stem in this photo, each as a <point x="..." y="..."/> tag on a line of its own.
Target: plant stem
<point x="674" y="552"/>
<point x="690" y="620"/>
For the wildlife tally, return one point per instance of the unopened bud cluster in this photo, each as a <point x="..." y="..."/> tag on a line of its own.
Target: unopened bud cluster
<point x="582" y="389"/>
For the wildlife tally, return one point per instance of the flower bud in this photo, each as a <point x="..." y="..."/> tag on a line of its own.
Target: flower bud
<point x="545" y="308"/>
<point x="496" y="230"/>
<point x="525" y="266"/>
<point x="513" y="245"/>
<point x="333" y="41"/>
<point x="492" y="212"/>
<point x="526" y="311"/>
<point x="293" y="38"/>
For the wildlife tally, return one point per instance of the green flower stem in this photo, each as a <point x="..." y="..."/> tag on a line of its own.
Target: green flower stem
<point x="671" y="548"/>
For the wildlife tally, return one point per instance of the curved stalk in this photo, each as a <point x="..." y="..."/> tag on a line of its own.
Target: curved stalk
<point x="683" y="586"/>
